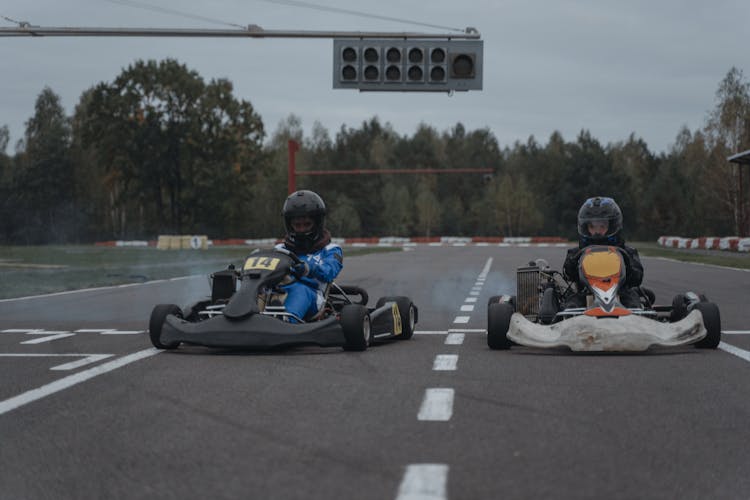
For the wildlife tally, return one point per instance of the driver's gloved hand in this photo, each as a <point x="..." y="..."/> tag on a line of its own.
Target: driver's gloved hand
<point x="301" y="269"/>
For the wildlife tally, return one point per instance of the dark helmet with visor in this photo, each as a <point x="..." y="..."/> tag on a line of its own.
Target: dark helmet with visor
<point x="601" y="212"/>
<point x="299" y="204"/>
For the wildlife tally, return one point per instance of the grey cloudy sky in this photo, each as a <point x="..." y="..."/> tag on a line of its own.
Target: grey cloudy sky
<point x="612" y="67"/>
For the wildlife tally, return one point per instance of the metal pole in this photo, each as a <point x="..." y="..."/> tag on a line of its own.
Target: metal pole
<point x="291" y="185"/>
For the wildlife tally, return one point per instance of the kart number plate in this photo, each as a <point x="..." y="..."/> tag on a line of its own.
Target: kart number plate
<point x="267" y="263"/>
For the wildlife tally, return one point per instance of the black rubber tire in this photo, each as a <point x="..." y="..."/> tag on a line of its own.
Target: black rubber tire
<point x="408" y="312"/>
<point x="550" y="306"/>
<point x="712" y="322"/>
<point x="498" y="322"/>
<point x="495" y="299"/>
<point x="355" y="322"/>
<point x="158" y="316"/>
<point x="679" y="308"/>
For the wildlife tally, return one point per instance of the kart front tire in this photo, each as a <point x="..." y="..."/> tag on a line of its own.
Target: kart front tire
<point x="407" y="311"/>
<point x="158" y="317"/>
<point x="498" y="323"/>
<point x="355" y="322"/>
<point x="679" y="308"/>
<point x="712" y="322"/>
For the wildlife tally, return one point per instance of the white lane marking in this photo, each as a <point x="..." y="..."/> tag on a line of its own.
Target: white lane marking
<point x="474" y="293"/>
<point x="467" y="308"/>
<point x="424" y="482"/>
<point x="71" y="380"/>
<point x="49" y="338"/>
<point x="445" y="362"/>
<point x="437" y="405"/>
<point x="740" y="353"/>
<point x="74" y="365"/>
<point x="470" y="299"/>
<point x="486" y="268"/>
<point x="109" y="331"/>
<point x="461" y="319"/>
<point x="700" y="264"/>
<point x="735" y="332"/>
<point x="87" y="359"/>
<point x="450" y="331"/>
<point x="68" y="292"/>
<point x="455" y="338"/>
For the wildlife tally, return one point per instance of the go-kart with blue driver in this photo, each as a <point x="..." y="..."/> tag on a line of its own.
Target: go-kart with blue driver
<point x="539" y="315"/>
<point x="246" y="310"/>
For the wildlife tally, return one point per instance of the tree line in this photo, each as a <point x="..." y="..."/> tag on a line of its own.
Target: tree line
<point x="158" y="150"/>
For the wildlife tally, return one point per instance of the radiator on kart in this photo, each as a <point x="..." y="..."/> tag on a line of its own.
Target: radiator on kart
<point x="529" y="282"/>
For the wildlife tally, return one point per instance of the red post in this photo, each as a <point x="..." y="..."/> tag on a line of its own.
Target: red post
<point x="292" y="174"/>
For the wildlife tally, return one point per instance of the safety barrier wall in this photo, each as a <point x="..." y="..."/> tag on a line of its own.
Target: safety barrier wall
<point x="733" y="243"/>
<point x="191" y="241"/>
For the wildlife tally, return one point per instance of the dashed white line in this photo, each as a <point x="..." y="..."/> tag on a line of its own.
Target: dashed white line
<point x="470" y="299"/>
<point x="49" y="338"/>
<point x="437" y="405"/>
<point x="424" y="482"/>
<point x="468" y="308"/>
<point x="71" y="380"/>
<point x="461" y="319"/>
<point x="455" y="338"/>
<point x="445" y="362"/>
<point x="474" y="293"/>
<point x="87" y="358"/>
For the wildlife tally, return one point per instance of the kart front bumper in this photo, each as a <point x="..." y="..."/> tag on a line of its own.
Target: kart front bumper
<point x="256" y="331"/>
<point x="625" y="333"/>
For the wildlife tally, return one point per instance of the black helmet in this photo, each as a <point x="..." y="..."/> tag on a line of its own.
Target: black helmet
<point x="600" y="210"/>
<point x="301" y="203"/>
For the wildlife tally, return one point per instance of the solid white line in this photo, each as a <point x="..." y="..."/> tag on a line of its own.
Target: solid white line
<point x="461" y="319"/>
<point x="430" y="332"/>
<point x="467" y="330"/>
<point x="700" y="264"/>
<point x="445" y="362"/>
<point x="470" y="299"/>
<point x="468" y="308"/>
<point x="49" y="338"/>
<point x="740" y="353"/>
<point x="424" y="482"/>
<point x="71" y="380"/>
<point x="68" y="292"/>
<point x="437" y="405"/>
<point x="455" y="338"/>
<point x="735" y="332"/>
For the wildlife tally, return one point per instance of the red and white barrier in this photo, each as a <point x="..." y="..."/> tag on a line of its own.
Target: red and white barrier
<point x="386" y="241"/>
<point x="732" y="243"/>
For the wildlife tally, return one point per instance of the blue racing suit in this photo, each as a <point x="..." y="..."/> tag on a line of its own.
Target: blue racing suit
<point x="305" y="296"/>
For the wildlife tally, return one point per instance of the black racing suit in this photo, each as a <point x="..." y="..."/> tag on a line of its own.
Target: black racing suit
<point x="629" y="295"/>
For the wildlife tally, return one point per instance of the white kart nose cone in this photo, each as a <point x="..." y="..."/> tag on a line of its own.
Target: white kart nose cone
<point x="626" y="333"/>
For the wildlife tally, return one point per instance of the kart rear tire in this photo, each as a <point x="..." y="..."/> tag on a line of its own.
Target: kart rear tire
<point x="498" y="323"/>
<point x="495" y="299"/>
<point x="406" y="310"/>
<point x="355" y="322"/>
<point x="158" y="316"/>
<point x="712" y="322"/>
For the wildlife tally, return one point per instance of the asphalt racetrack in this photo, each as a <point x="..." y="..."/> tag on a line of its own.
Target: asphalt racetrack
<point x="89" y="410"/>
